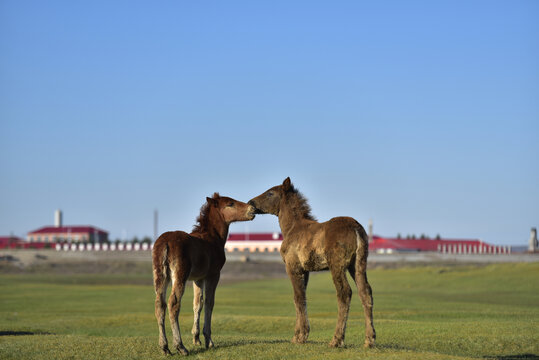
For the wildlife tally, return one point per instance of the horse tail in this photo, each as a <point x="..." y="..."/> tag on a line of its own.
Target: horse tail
<point x="161" y="269"/>
<point x="364" y="289"/>
<point x="362" y="250"/>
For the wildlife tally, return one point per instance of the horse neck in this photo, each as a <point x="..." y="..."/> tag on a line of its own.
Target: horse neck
<point x="288" y="217"/>
<point x="218" y="228"/>
<point x="215" y="228"/>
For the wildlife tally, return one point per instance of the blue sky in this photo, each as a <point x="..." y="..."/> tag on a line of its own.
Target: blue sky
<point x="422" y="115"/>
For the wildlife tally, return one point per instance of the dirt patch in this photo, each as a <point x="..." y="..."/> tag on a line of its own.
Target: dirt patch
<point x="75" y="267"/>
<point x="239" y="267"/>
<point x="136" y="271"/>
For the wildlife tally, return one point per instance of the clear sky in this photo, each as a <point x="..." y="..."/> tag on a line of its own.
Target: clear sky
<point x="422" y="115"/>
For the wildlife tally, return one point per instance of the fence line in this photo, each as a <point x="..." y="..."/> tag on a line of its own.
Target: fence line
<point x="473" y="249"/>
<point x="274" y="246"/>
<point x="103" y="247"/>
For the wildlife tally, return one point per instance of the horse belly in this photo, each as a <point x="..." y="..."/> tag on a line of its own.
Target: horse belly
<point x="313" y="260"/>
<point x="197" y="275"/>
<point x="200" y="266"/>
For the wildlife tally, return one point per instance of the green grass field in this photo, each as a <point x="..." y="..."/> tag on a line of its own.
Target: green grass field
<point x="489" y="312"/>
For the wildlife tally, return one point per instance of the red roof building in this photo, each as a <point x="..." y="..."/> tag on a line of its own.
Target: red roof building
<point x="380" y="244"/>
<point x="9" y="242"/>
<point x="275" y="236"/>
<point x="49" y="234"/>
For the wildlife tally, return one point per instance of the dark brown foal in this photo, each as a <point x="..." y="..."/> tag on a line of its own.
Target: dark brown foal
<point x="198" y="256"/>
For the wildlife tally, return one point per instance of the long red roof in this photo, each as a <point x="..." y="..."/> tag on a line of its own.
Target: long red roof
<point x="379" y="242"/>
<point x="256" y="237"/>
<point x="67" y="229"/>
<point x="9" y="239"/>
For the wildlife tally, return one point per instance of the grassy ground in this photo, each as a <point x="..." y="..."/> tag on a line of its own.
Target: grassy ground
<point x="488" y="312"/>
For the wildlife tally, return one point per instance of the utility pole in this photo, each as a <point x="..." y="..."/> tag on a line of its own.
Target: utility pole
<point x="370" y="231"/>
<point x="155" y="220"/>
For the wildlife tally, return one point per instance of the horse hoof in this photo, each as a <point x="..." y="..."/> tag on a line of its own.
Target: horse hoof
<point x="166" y="351"/>
<point x="369" y="343"/>
<point x="299" y="339"/>
<point x="182" y="350"/>
<point x="335" y="343"/>
<point x="209" y="344"/>
<point x="196" y="341"/>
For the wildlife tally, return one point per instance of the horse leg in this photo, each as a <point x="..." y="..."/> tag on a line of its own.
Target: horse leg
<point x="210" y="284"/>
<point x="365" y="294"/>
<point x="161" y="283"/>
<point x="306" y="279"/>
<point x="299" y="283"/>
<point x="197" y="309"/>
<point x="174" y="305"/>
<point x="344" y="296"/>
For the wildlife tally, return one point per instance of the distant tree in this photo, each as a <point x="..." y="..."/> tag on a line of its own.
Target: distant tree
<point x="413" y="237"/>
<point x="423" y="236"/>
<point x="438" y="237"/>
<point x="135" y="240"/>
<point x="147" y="240"/>
<point x="398" y="235"/>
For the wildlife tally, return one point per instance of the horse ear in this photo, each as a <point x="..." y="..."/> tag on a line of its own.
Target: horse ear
<point x="287" y="184"/>
<point x="216" y="195"/>
<point x="210" y="201"/>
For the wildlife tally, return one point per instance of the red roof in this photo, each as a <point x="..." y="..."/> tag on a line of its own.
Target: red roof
<point x="418" y="244"/>
<point x="67" y="229"/>
<point x="256" y="237"/>
<point x="10" y="242"/>
<point x="8" y="239"/>
<point x="377" y="243"/>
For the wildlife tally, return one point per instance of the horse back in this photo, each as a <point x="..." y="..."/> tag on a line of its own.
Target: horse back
<point x="191" y="256"/>
<point x="317" y="245"/>
<point x="344" y="231"/>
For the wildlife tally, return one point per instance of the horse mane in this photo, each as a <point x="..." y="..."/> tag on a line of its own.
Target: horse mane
<point x="299" y="205"/>
<point x="203" y="219"/>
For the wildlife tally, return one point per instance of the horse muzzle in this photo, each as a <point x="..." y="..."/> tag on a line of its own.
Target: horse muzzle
<point x="256" y="210"/>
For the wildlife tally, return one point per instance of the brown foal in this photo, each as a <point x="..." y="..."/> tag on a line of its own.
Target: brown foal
<point x="340" y="245"/>
<point x="198" y="256"/>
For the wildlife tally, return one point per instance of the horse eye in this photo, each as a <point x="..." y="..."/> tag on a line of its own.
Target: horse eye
<point x="231" y="204"/>
<point x="270" y="194"/>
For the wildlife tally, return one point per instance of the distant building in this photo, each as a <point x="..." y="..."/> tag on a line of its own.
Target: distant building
<point x="532" y="246"/>
<point x="73" y="233"/>
<point x="263" y="242"/>
<point x="53" y="234"/>
<point x="10" y="242"/>
<point x="381" y="244"/>
<point x="275" y="236"/>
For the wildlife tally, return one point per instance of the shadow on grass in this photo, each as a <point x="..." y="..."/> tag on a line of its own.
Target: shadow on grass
<point x="393" y="347"/>
<point x="22" y="333"/>
<point x="202" y="349"/>
<point x="513" y="357"/>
